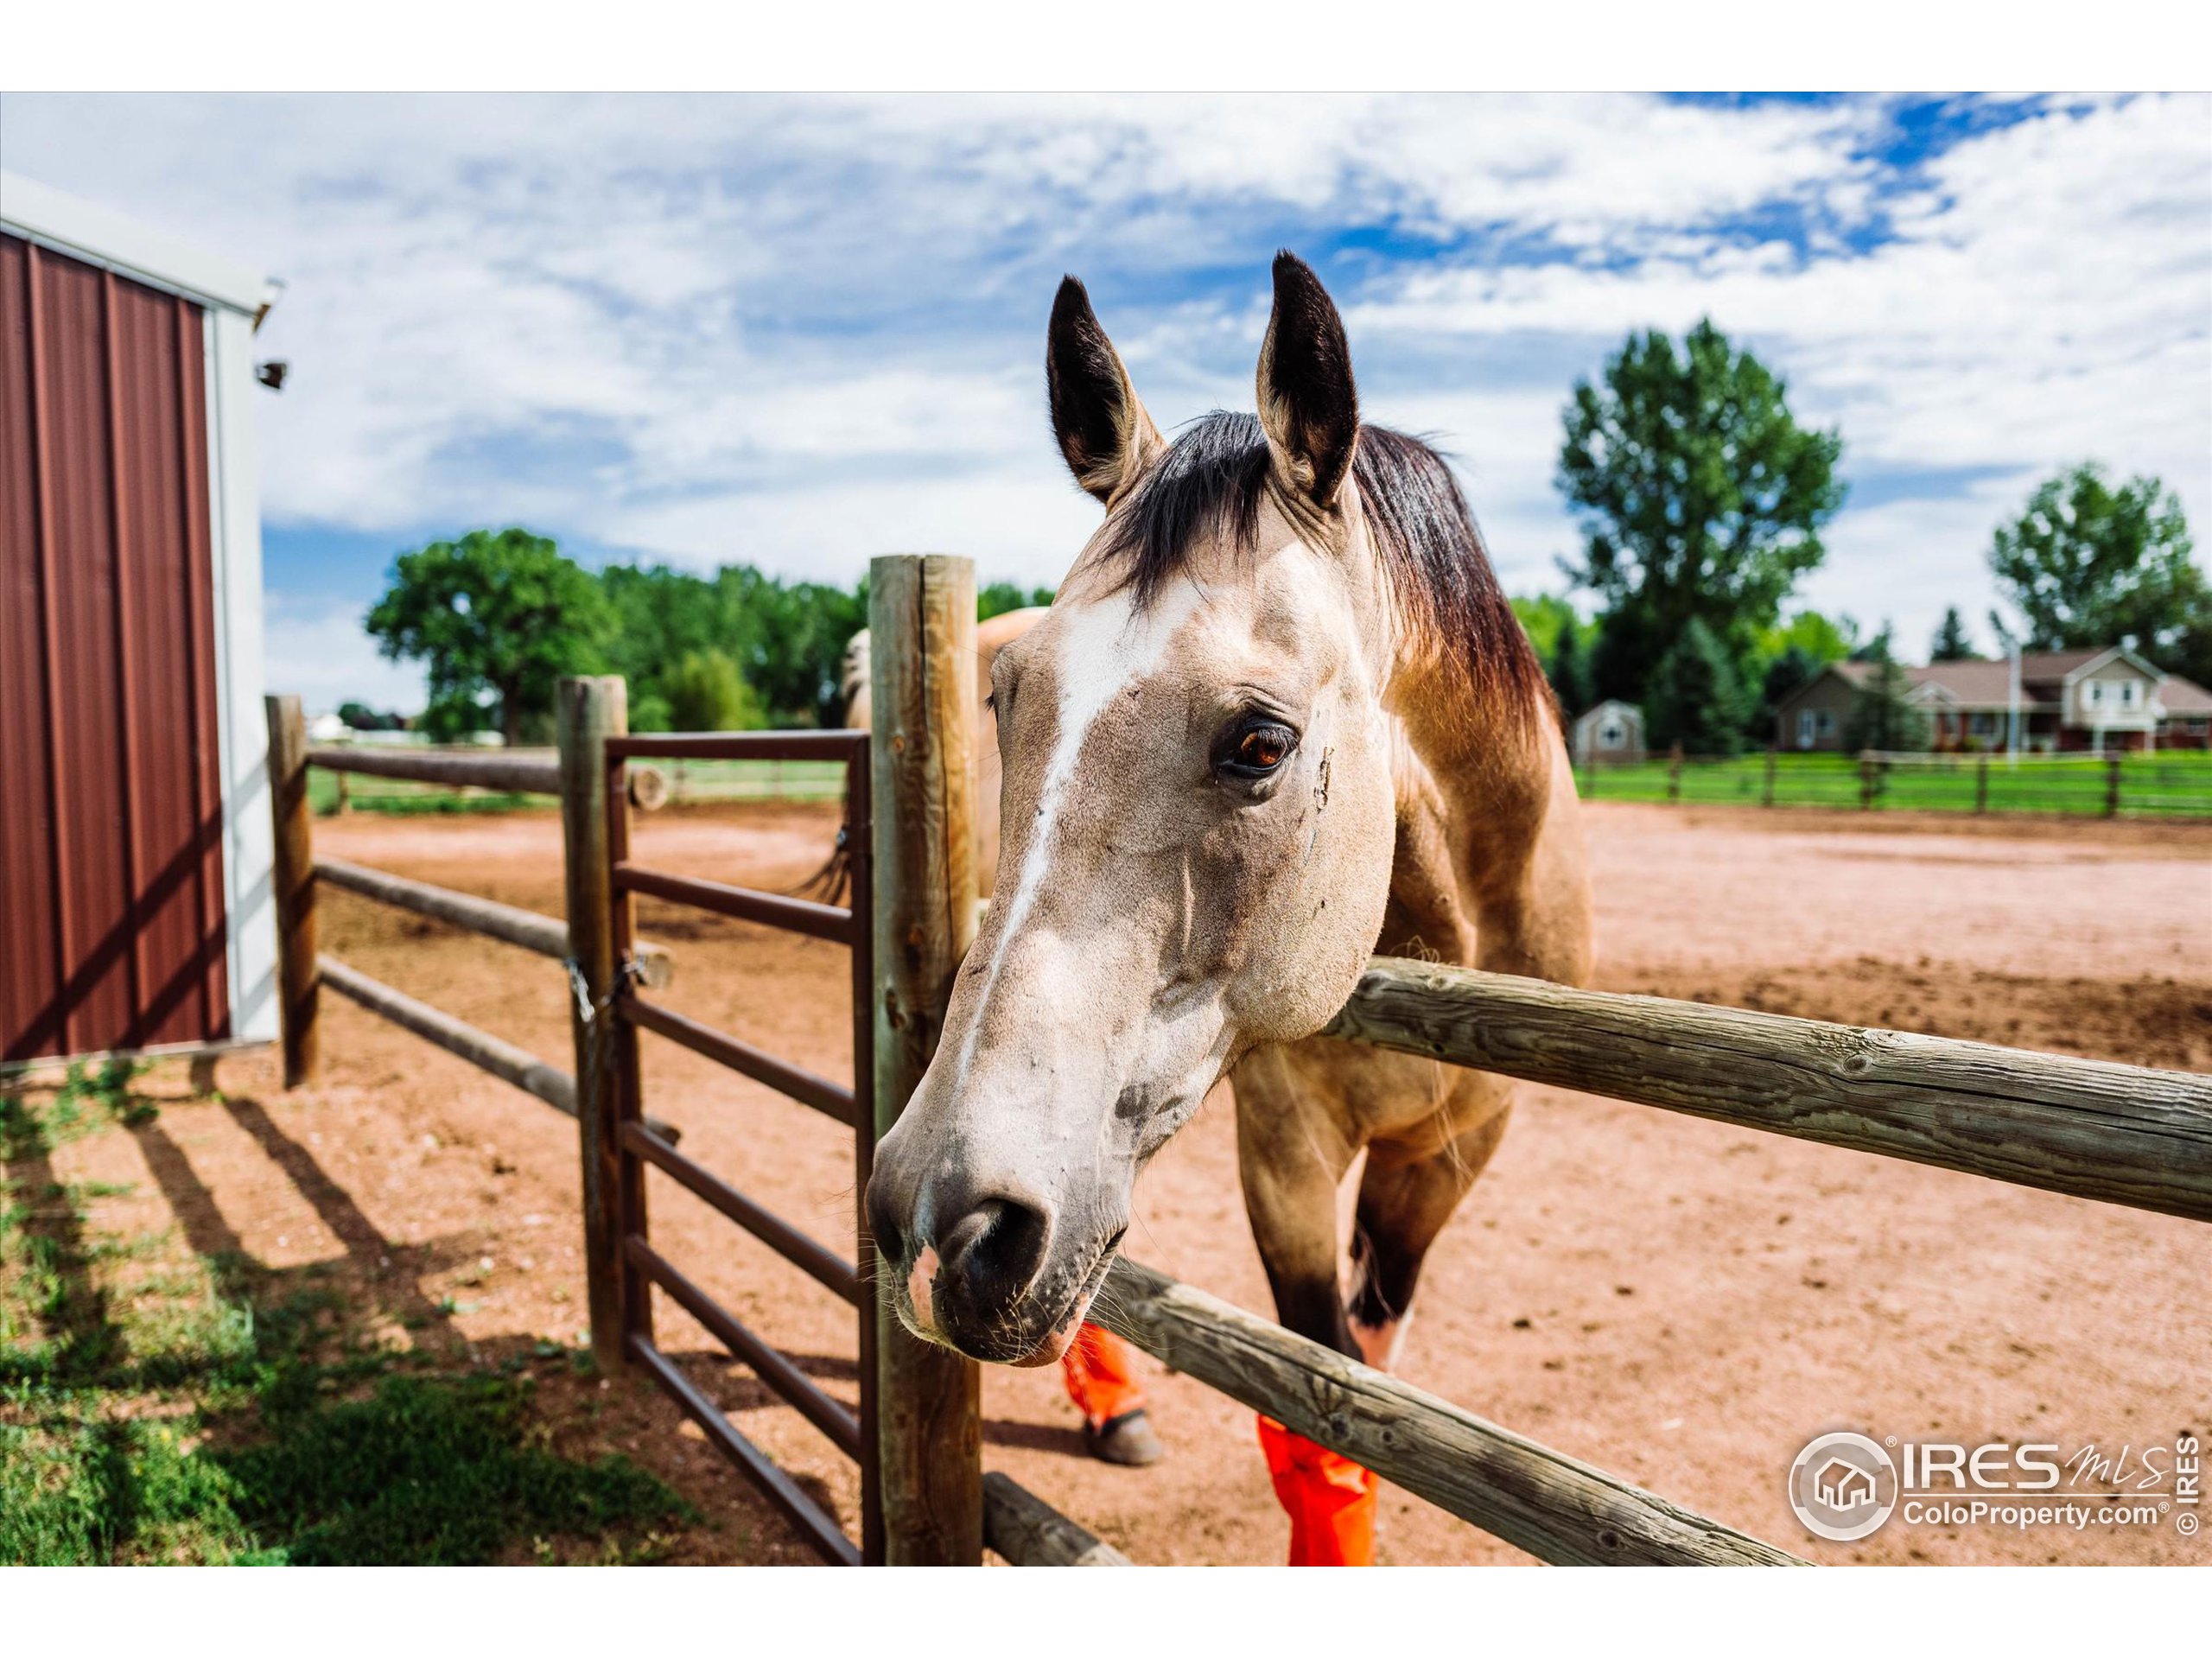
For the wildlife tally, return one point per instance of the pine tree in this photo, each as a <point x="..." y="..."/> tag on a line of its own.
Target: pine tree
<point x="1696" y="696"/>
<point x="1883" y="716"/>
<point x="1951" y="644"/>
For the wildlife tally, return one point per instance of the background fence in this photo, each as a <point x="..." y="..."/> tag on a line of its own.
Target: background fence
<point x="2176" y="784"/>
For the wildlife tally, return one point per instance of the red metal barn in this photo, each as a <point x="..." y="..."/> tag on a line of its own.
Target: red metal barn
<point x="135" y="905"/>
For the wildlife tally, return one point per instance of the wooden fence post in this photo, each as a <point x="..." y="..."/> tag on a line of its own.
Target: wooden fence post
<point x="1767" y="798"/>
<point x="922" y="629"/>
<point x="2111" y="786"/>
<point x="298" y="985"/>
<point x="1675" y="773"/>
<point x="1866" y="766"/>
<point x="1981" y="785"/>
<point x="591" y="710"/>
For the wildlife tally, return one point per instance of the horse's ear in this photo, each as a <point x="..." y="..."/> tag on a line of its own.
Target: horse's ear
<point x="1307" y="405"/>
<point x="1103" y="428"/>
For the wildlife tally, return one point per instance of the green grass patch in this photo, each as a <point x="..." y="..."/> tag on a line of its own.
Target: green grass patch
<point x="157" y="1405"/>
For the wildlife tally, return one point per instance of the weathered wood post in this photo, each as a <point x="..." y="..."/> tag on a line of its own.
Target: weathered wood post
<point x="922" y="629"/>
<point x="1675" y="773"/>
<point x="1867" y="765"/>
<point x="1981" y="785"/>
<point x="590" y="710"/>
<point x="298" y="985"/>
<point x="2111" y="786"/>
<point x="1766" y="798"/>
<point x="345" y="794"/>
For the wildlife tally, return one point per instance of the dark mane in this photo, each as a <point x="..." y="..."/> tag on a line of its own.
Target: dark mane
<point x="1210" y="484"/>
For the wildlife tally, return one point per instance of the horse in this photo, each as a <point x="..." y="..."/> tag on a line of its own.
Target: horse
<point x="1280" y="716"/>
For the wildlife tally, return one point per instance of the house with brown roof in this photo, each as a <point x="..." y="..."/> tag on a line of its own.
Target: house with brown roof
<point x="2105" y="698"/>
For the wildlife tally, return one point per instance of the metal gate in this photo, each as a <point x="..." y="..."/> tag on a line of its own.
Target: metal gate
<point x="637" y="1144"/>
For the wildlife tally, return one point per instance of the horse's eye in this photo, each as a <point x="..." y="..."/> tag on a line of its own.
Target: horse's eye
<point x="1258" y="749"/>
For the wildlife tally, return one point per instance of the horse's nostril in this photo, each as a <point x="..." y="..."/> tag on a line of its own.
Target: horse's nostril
<point x="996" y="1249"/>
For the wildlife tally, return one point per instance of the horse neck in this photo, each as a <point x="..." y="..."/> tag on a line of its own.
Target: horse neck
<point x="1483" y="784"/>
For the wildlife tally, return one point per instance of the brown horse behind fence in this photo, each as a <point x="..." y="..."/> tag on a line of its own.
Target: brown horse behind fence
<point x="1280" y="718"/>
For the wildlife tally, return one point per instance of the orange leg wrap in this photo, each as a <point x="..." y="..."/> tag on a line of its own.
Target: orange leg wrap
<point x="1330" y="1499"/>
<point x="1100" y="1371"/>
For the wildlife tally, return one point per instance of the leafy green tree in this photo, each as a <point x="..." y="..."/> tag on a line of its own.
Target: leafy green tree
<point x="661" y="616"/>
<point x="1824" y="640"/>
<point x="997" y="598"/>
<point x="1542" y="618"/>
<point x="2090" y="563"/>
<point x="1882" y="715"/>
<point x="496" y="618"/>
<point x="1700" y="496"/>
<point x="706" y="693"/>
<point x="791" y="640"/>
<point x="1950" y="643"/>
<point x="1695" y="696"/>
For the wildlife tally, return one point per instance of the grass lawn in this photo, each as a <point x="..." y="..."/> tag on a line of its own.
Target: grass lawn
<point x="689" y="781"/>
<point x="158" y="1405"/>
<point x="2155" y="785"/>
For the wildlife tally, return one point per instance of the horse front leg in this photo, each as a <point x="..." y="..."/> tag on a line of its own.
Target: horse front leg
<point x="1292" y="1149"/>
<point x="1408" y="1189"/>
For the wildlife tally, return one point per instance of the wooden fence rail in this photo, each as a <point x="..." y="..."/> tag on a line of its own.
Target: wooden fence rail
<point x="1030" y="1532"/>
<point x="546" y="934"/>
<point x="509" y="774"/>
<point x="2121" y="1134"/>
<point x="1539" y="1500"/>
<point x="479" y="1048"/>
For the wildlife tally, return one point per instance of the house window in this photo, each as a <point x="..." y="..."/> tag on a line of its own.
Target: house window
<point x="2127" y="694"/>
<point x="2094" y="694"/>
<point x="1824" y="721"/>
<point x="1985" y="724"/>
<point x="1609" y="735"/>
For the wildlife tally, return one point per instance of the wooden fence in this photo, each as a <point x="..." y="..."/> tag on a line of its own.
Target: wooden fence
<point x="2172" y="785"/>
<point x="2122" y="1134"/>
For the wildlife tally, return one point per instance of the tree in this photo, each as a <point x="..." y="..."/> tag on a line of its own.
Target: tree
<point x="997" y="598"/>
<point x="706" y="693"/>
<point x="1789" y="654"/>
<point x="1700" y="496"/>
<point x="1569" y="672"/>
<point x="1951" y="644"/>
<point x="496" y="617"/>
<point x="359" y="717"/>
<point x="1825" y="640"/>
<point x="790" y="641"/>
<point x="1786" y="675"/>
<point x="1882" y="715"/>
<point x="1696" y="696"/>
<point x="2089" y="564"/>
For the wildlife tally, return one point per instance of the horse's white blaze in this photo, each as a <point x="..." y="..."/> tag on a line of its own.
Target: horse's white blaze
<point x="1104" y="647"/>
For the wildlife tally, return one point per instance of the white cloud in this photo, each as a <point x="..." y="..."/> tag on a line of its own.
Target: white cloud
<point x="802" y="331"/>
<point x="318" y="652"/>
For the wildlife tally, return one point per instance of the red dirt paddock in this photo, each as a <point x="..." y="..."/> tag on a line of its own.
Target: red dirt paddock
<point x="1684" y="1303"/>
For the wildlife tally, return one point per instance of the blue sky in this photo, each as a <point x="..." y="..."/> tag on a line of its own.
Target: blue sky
<point x="801" y="331"/>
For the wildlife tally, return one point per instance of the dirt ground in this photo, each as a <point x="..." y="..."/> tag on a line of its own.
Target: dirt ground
<point x="1680" y="1302"/>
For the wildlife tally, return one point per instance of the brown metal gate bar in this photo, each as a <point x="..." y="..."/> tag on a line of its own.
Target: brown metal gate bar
<point x="636" y="1146"/>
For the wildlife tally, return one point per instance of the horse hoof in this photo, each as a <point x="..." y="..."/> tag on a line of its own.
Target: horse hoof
<point x="1128" y="1439"/>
